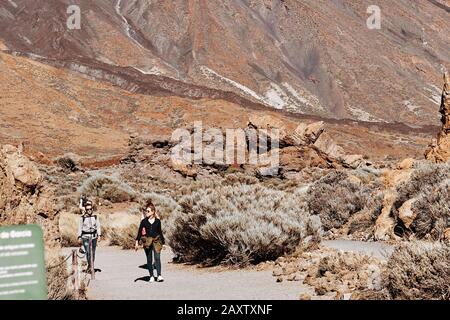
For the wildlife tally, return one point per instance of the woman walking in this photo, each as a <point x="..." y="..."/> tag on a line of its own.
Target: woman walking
<point x="151" y="236"/>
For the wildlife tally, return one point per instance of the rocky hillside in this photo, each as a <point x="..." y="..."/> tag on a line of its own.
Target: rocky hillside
<point x="314" y="57"/>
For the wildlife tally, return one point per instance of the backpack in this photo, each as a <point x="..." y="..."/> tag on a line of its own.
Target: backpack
<point x="94" y="233"/>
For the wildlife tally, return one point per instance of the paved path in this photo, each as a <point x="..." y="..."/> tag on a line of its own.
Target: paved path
<point x="122" y="278"/>
<point x="379" y="250"/>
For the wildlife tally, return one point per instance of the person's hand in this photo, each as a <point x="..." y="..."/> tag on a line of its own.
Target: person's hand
<point x="136" y="246"/>
<point x="98" y="239"/>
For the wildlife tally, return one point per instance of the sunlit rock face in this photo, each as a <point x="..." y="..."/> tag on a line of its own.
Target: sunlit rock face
<point x="439" y="149"/>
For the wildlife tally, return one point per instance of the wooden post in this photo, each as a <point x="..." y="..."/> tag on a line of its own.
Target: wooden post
<point x="76" y="278"/>
<point x="91" y="258"/>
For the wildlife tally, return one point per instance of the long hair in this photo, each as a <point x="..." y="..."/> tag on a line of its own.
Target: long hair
<point x="148" y="204"/>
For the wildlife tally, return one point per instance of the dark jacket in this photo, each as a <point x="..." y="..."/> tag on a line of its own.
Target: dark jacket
<point x="151" y="230"/>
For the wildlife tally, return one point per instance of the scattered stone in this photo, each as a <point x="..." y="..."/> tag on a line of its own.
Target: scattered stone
<point x="304" y="296"/>
<point x="406" y="214"/>
<point x="406" y="164"/>
<point x="277" y="272"/>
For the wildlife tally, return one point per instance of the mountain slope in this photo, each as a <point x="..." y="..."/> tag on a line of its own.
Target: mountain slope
<point x="313" y="57"/>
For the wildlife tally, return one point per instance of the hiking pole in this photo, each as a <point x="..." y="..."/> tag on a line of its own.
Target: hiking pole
<point x="91" y="258"/>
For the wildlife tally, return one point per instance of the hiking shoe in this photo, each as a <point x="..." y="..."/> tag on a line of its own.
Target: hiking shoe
<point x="160" y="279"/>
<point x="152" y="279"/>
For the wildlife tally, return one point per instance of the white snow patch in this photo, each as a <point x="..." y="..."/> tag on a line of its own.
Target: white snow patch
<point x="127" y="26"/>
<point x="26" y="39"/>
<point x="311" y="101"/>
<point x="284" y="97"/>
<point x="154" y="70"/>
<point x="412" y="108"/>
<point x="275" y="97"/>
<point x="35" y="56"/>
<point x="363" y="115"/>
<point x="13" y="3"/>
<point x="434" y="93"/>
<point x="208" y="72"/>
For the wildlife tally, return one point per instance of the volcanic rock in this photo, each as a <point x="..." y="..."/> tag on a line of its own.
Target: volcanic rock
<point x="24" y="198"/>
<point x="306" y="134"/>
<point x="439" y="150"/>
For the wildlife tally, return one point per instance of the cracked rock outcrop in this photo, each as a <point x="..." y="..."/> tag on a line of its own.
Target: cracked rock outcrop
<point x="439" y="150"/>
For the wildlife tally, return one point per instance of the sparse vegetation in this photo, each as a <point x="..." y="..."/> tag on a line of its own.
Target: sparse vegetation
<point x="57" y="276"/>
<point x="67" y="163"/>
<point x="120" y="229"/>
<point x="164" y="204"/>
<point x="432" y="211"/>
<point x="109" y="188"/>
<point x="419" y="271"/>
<point x="240" y="224"/>
<point x="336" y="197"/>
<point x="68" y="228"/>
<point x="424" y="177"/>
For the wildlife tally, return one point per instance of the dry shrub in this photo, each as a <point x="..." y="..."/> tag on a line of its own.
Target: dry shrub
<point x="164" y="204"/>
<point x="57" y="277"/>
<point x="432" y="211"/>
<point x="68" y="228"/>
<point x="419" y="271"/>
<point x="336" y="197"/>
<point x="108" y="188"/>
<point x="239" y="178"/>
<point x="240" y="224"/>
<point x="426" y="176"/>
<point x="194" y="186"/>
<point x="67" y="162"/>
<point x="363" y="223"/>
<point x="120" y="229"/>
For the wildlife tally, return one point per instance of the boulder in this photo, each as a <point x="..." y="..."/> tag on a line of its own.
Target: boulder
<point x="326" y="145"/>
<point x="306" y="134"/>
<point x="304" y="296"/>
<point x="24" y="198"/>
<point x="406" y="214"/>
<point x="384" y="225"/>
<point x="181" y="167"/>
<point x="267" y="122"/>
<point x="20" y="168"/>
<point x="406" y="164"/>
<point x="352" y="160"/>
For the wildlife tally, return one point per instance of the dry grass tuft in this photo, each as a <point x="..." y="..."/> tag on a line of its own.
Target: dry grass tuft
<point x="68" y="228"/>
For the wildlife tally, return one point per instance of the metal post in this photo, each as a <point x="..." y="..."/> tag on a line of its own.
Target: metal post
<point x="91" y="257"/>
<point x="75" y="279"/>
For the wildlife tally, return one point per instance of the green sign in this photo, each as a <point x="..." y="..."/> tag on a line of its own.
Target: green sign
<point x="22" y="264"/>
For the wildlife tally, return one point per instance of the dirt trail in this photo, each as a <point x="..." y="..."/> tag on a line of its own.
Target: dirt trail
<point x="122" y="278"/>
